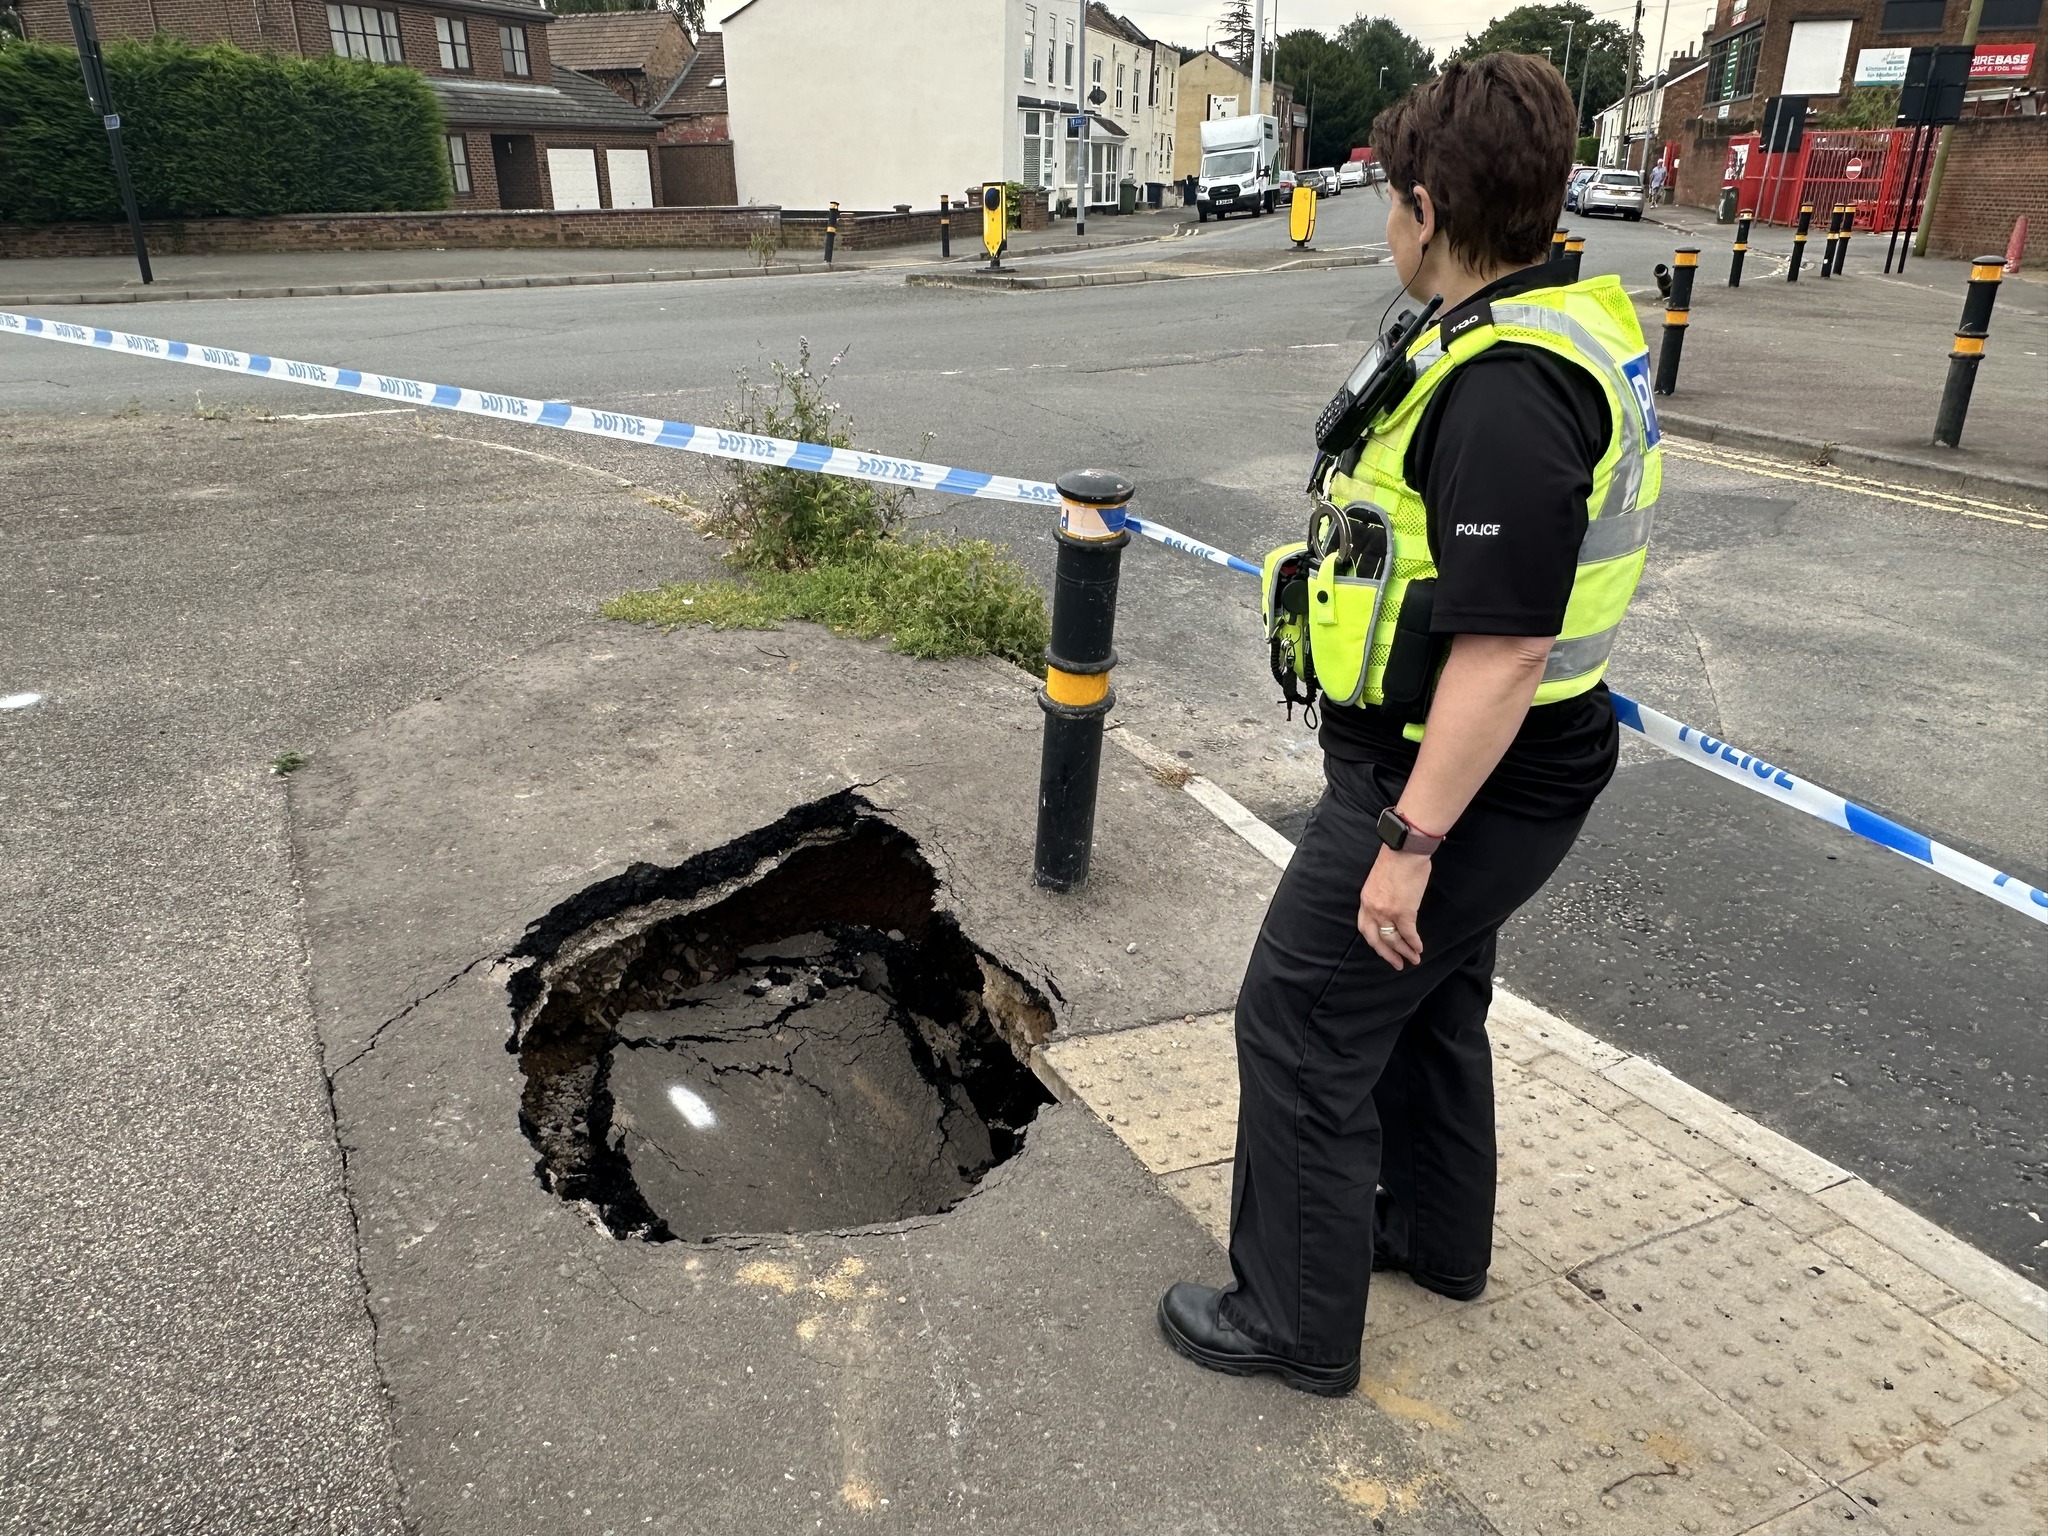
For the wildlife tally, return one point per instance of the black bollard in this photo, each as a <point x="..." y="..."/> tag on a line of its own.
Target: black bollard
<point x="831" y="232"/>
<point x="945" y="224"/>
<point x="1677" y="313"/>
<point x="1557" y="240"/>
<point x="1842" y="244"/>
<point x="1076" y="696"/>
<point x="1741" y="248"/>
<point x="1799" y="242"/>
<point x="1574" y="254"/>
<point x="1968" y="352"/>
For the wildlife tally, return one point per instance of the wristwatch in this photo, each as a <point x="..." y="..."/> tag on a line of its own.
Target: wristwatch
<point x="1403" y="836"/>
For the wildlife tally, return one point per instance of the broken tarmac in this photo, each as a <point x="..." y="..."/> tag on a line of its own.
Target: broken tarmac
<point x="1695" y="1326"/>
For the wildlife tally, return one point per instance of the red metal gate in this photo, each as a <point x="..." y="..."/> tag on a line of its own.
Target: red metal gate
<point x="1866" y="167"/>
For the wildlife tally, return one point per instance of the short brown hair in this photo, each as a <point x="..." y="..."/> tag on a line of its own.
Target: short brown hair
<point x="1492" y="139"/>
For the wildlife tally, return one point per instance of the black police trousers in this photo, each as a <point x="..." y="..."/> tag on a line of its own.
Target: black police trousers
<point x="1353" y="1075"/>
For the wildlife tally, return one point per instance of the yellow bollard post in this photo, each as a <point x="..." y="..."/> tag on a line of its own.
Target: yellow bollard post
<point x="995" y="223"/>
<point x="1301" y="216"/>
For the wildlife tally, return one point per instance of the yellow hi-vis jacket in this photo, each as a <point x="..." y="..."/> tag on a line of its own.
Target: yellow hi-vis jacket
<point x="1351" y="619"/>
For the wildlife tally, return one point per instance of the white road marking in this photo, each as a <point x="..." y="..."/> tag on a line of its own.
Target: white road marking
<point x="20" y="700"/>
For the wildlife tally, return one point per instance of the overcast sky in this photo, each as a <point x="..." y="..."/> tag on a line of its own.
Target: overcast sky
<point x="1441" y="25"/>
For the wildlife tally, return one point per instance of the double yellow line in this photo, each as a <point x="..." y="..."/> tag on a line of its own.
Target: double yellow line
<point x="1861" y="485"/>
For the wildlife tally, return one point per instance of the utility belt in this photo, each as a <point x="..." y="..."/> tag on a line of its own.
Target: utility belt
<point x="1323" y="602"/>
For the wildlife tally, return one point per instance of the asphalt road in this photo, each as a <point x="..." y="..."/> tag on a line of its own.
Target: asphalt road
<point x="1887" y="649"/>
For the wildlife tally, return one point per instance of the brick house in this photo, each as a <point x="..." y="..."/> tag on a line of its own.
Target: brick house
<point x="1821" y="49"/>
<point x="522" y="132"/>
<point x="638" y="54"/>
<point x="696" y="131"/>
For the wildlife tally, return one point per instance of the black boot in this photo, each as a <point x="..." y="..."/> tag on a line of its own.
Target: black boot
<point x="1389" y="1254"/>
<point x="1192" y="1325"/>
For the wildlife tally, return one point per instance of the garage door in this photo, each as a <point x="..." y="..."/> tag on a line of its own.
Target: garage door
<point x="632" y="187"/>
<point x="574" y="174"/>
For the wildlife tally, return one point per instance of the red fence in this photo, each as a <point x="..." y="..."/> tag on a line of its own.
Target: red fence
<point x="1866" y="167"/>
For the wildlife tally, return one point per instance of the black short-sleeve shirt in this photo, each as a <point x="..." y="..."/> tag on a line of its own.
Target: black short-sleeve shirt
<point x="1504" y="457"/>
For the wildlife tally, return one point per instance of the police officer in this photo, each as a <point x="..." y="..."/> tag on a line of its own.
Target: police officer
<point x="1506" y="487"/>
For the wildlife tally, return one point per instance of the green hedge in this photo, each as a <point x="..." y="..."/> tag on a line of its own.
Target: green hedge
<point x="215" y="130"/>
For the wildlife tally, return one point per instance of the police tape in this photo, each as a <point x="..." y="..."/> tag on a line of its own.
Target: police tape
<point x="1752" y="772"/>
<point x="1680" y="740"/>
<point x="714" y="442"/>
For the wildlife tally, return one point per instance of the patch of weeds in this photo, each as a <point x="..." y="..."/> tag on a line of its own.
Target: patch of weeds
<point x="934" y="597"/>
<point x="287" y="762"/>
<point x="834" y="551"/>
<point x="764" y="245"/>
<point x="207" y="412"/>
<point x="789" y="519"/>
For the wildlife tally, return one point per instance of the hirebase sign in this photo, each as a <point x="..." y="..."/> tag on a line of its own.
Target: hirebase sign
<point x="1992" y="61"/>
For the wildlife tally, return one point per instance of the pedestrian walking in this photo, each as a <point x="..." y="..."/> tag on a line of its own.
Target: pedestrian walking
<point x="1474" y="548"/>
<point x="1657" y="182"/>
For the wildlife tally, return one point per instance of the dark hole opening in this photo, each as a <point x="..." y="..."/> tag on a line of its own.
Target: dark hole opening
<point x="784" y="1035"/>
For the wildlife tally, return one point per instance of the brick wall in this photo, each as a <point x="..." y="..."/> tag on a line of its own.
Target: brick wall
<point x="1702" y="156"/>
<point x="284" y="26"/>
<point x="712" y="228"/>
<point x="1997" y="170"/>
<point x="487" y="229"/>
<point x="701" y="128"/>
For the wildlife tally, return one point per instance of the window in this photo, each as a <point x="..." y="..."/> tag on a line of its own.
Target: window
<point x="453" y="36"/>
<point x="1030" y="42"/>
<point x="2011" y="15"/>
<point x="512" y="43"/>
<point x="1119" y="87"/>
<point x="364" y="32"/>
<point x="458" y="163"/>
<point x="1038" y="148"/>
<point x="1731" y="65"/>
<point x="1070" y="56"/>
<point x="1913" y="15"/>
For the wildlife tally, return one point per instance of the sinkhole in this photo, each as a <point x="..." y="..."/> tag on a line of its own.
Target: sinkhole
<point x="785" y="1034"/>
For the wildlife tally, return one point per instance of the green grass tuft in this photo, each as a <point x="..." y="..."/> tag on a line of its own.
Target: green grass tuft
<point x="934" y="597"/>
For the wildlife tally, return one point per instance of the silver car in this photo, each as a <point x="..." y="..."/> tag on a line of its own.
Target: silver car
<point x="1613" y="192"/>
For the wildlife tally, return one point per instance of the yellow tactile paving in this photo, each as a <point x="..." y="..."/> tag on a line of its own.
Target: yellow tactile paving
<point x="1681" y="1337"/>
<point x="1576" y="1184"/>
<point x="1170" y="1090"/>
<point x="1796" y="1341"/>
<point x="1988" y="1477"/>
<point x="1553" y="1417"/>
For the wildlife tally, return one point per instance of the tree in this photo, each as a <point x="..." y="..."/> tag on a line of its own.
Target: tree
<point x="1348" y="81"/>
<point x="1234" y="33"/>
<point x="1600" y="50"/>
<point x="691" y="12"/>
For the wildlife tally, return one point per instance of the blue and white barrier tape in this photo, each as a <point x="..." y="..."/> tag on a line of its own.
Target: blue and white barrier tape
<point x="1680" y="740"/>
<point x="1752" y="772"/>
<point x="716" y="442"/>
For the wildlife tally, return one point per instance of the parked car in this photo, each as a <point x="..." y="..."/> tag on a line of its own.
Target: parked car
<point x="1333" y="181"/>
<point x="1575" y="183"/>
<point x="1351" y="174"/>
<point x="1613" y="192"/>
<point x="1310" y="177"/>
<point x="1284" y="182"/>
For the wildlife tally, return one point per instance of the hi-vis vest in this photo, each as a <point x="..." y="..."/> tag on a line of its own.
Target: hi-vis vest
<point x="1351" y="615"/>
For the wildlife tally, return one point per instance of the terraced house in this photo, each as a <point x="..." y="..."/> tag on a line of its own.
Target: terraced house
<point x="522" y="131"/>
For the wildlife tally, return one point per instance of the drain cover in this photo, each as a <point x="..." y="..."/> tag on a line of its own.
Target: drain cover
<point x="811" y="1046"/>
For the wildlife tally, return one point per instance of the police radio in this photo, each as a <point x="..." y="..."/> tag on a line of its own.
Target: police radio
<point x="1382" y="376"/>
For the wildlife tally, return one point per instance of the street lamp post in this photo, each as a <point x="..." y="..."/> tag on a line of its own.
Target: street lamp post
<point x="1585" y="76"/>
<point x="1566" y="72"/>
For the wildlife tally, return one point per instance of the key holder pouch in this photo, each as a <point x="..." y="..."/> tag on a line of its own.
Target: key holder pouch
<point x="1354" y="551"/>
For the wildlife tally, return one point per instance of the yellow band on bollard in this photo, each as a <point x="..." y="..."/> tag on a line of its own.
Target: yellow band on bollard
<point x="1990" y="272"/>
<point x="1674" y="317"/>
<point x="1742" y="245"/>
<point x="1076" y="689"/>
<point x="1969" y="346"/>
<point x="1687" y="258"/>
